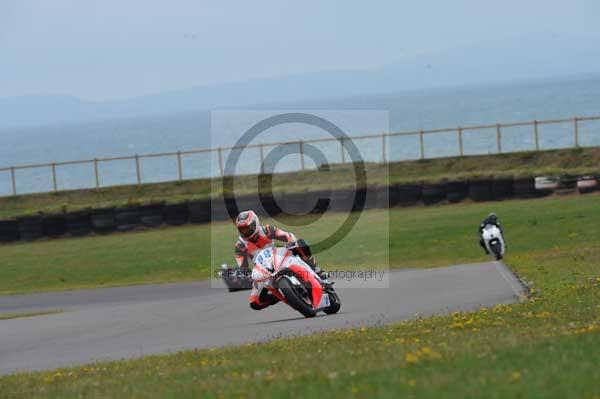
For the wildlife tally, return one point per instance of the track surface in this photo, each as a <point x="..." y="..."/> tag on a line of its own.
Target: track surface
<point x="127" y="322"/>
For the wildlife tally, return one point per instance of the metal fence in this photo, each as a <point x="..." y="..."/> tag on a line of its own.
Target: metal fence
<point x="383" y="143"/>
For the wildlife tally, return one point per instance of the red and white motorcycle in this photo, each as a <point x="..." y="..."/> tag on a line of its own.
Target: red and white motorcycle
<point x="292" y="281"/>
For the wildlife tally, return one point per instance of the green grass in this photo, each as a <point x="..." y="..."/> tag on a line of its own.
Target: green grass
<point x="546" y="347"/>
<point x="407" y="237"/>
<point x="555" y="162"/>
<point x="9" y="316"/>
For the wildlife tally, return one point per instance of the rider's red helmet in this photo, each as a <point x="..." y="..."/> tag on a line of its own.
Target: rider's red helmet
<point x="247" y="224"/>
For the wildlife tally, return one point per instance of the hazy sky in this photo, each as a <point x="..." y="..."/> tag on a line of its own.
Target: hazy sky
<point x="107" y="49"/>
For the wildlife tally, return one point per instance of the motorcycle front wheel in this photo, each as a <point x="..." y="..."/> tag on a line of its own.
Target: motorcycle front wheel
<point x="294" y="298"/>
<point x="497" y="250"/>
<point x="335" y="303"/>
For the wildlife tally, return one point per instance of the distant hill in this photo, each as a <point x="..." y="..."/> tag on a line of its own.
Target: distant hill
<point x="498" y="62"/>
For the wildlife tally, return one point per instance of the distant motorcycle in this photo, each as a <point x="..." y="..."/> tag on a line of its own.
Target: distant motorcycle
<point x="234" y="279"/>
<point x="292" y="281"/>
<point x="493" y="241"/>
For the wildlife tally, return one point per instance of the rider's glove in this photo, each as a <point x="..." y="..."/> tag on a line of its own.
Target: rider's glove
<point x="292" y="245"/>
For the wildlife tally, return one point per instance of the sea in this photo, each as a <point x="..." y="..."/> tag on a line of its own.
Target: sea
<point x="449" y="107"/>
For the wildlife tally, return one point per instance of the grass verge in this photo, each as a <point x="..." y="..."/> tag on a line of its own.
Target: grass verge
<point x="555" y="162"/>
<point x="406" y="237"/>
<point x="545" y="347"/>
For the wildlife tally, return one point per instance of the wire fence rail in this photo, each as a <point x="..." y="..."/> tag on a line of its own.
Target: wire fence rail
<point x="179" y="155"/>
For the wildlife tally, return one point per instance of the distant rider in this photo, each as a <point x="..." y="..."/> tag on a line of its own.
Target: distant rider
<point x="254" y="238"/>
<point x="491" y="219"/>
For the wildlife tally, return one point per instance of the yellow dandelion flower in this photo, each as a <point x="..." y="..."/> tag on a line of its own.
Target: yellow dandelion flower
<point x="514" y="376"/>
<point x="412" y="358"/>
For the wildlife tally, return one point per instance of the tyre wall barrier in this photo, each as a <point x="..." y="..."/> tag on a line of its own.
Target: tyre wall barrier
<point x="9" y="231"/>
<point x="79" y="223"/>
<point x="405" y="194"/>
<point x="382" y="197"/>
<point x="481" y="190"/>
<point x="151" y="215"/>
<point x="457" y="191"/>
<point x="295" y="204"/>
<point x="320" y="200"/>
<point x="503" y="188"/>
<point x="176" y="214"/>
<point x="270" y="204"/>
<point x="54" y="225"/>
<point x="587" y="184"/>
<point x="567" y="185"/>
<point x="524" y="187"/>
<point x="108" y="220"/>
<point x="199" y="211"/>
<point x="342" y="200"/>
<point x="218" y="209"/>
<point x="128" y="217"/>
<point x="434" y="193"/>
<point x="30" y="228"/>
<point x="545" y="185"/>
<point x="370" y="194"/>
<point x="103" y="221"/>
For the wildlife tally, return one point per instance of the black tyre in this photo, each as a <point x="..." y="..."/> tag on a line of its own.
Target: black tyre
<point x="176" y="214"/>
<point x="31" y="228"/>
<point x="342" y="200"/>
<point x="199" y="211"/>
<point x="433" y="194"/>
<point x="79" y="223"/>
<point x="457" y="191"/>
<point x="524" y="187"/>
<point x="567" y="185"/>
<point x="269" y="204"/>
<point x="496" y="250"/>
<point x="294" y="299"/>
<point x="503" y="188"/>
<point x="151" y="215"/>
<point x="127" y="218"/>
<point x="9" y="231"/>
<point x="54" y="225"/>
<point x="407" y="194"/>
<point x="480" y="190"/>
<point x="103" y="221"/>
<point x="218" y="209"/>
<point x="335" y="303"/>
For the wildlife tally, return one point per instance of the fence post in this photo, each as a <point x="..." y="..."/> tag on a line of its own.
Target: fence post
<point x="96" y="173"/>
<point x="262" y="158"/>
<point x="342" y="150"/>
<point x="13" y="179"/>
<point x="179" y="166"/>
<point x="54" y="176"/>
<point x="499" y="138"/>
<point x="460" y="141"/>
<point x="537" y="138"/>
<point x="301" y="147"/>
<point x="383" y="149"/>
<point x="137" y="169"/>
<point x="421" y="133"/>
<point x="576" y="131"/>
<point x="220" y="150"/>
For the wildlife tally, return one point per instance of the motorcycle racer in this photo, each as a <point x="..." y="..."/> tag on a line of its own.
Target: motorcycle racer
<point x="253" y="238"/>
<point x="491" y="219"/>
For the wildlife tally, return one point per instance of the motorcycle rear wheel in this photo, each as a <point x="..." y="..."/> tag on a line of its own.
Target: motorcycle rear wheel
<point x="294" y="299"/>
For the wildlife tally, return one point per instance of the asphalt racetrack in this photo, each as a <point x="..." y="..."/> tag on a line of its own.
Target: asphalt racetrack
<point x="126" y="322"/>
